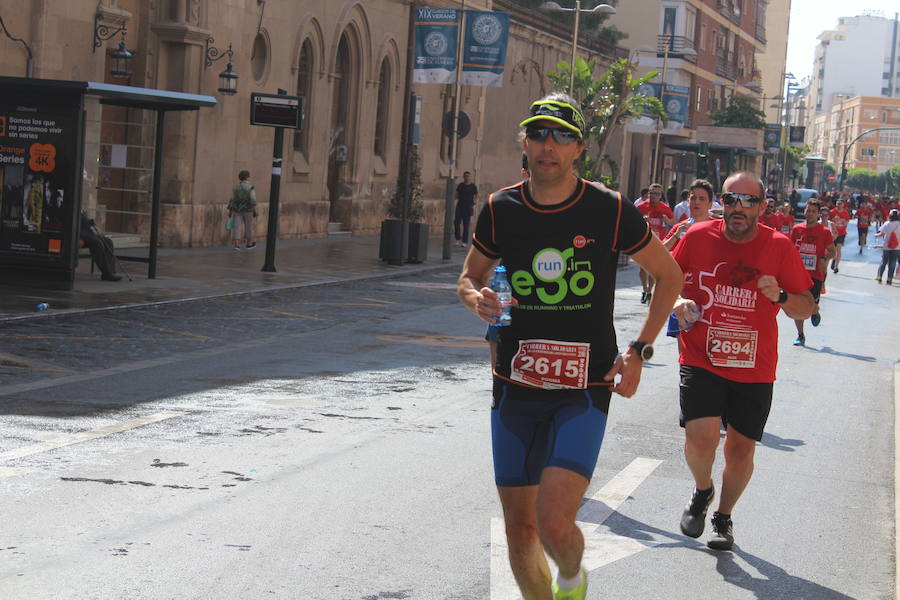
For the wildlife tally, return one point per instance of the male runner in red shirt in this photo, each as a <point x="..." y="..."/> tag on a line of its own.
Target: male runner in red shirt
<point x="839" y="218"/>
<point x="816" y="246"/>
<point x="739" y="275"/>
<point x="770" y="217"/>
<point x="787" y="219"/>
<point x="863" y="220"/>
<point x="658" y="215"/>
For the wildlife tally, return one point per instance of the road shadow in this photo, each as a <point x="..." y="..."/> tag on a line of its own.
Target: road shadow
<point x="775" y="581"/>
<point x="832" y="351"/>
<point x="779" y="443"/>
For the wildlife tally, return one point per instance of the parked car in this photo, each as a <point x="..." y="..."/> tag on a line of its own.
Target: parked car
<point x="799" y="198"/>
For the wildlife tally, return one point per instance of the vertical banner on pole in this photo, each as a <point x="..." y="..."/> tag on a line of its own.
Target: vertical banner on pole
<point x="772" y="135"/>
<point x="484" y="48"/>
<point x="436" y="32"/>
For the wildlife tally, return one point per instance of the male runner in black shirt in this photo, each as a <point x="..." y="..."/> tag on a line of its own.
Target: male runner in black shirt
<point x="558" y="237"/>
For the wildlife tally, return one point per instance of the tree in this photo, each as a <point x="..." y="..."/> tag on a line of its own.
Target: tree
<point x="592" y="24"/>
<point x="415" y="209"/>
<point x="606" y="103"/>
<point x="864" y="179"/>
<point x="740" y="112"/>
<point x="892" y="180"/>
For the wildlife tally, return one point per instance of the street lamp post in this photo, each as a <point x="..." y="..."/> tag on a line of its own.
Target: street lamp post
<point x="667" y="40"/>
<point x="789" y="77"/>
<point x="600" y="9"/>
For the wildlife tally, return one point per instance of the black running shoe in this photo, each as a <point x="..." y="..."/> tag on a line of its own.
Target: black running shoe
<point x="722" y="535"/>
<point x="644" y="297"/>
<point x="694" y="516"/>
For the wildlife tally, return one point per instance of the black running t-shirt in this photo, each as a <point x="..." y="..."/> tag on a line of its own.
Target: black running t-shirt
<point x="561" y="263"/>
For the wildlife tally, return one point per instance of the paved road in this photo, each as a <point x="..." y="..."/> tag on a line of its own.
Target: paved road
<point x="332" y="443"/>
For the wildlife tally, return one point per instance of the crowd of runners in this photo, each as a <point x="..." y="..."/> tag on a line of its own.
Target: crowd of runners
<point x="720" y="268"/>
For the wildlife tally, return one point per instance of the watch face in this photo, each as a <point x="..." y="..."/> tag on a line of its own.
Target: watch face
<point x="647" y="352"/>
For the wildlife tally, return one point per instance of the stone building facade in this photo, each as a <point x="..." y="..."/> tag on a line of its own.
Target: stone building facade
<point x="348" y="58"/>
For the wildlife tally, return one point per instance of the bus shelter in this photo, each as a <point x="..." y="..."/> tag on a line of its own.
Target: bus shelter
<point x="42" y="171"/>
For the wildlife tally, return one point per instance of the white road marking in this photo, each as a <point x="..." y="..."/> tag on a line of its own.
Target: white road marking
<point x="896" y="474"/>
<point x="600" y="547"/>
<point x="84" y="436"/>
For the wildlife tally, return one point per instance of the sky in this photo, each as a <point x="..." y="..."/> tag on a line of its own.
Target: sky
<point x="809" y="18"/>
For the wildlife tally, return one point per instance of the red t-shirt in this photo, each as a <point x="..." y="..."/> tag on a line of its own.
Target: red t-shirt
<point x="840" y="218"/>
<point x="863" y="218"/>
<point x="772" y="220"/>
<point x="787" y="223"/>
<point x="737" y="334"/>
<point x="653" y="214"/>
<point x="812" y="243"/>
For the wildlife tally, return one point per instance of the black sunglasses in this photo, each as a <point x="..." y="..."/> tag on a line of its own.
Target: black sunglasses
<point x="746" y="200"/>
<point x="560" y="136"/>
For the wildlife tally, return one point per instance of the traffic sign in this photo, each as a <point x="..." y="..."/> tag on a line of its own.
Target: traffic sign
<point x="275" y="110"/>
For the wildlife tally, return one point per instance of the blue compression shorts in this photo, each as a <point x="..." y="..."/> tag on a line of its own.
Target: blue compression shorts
<point x="532" y="429"/>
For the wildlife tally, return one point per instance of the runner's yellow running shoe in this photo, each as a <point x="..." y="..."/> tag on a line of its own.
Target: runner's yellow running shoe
<point x="578" y="593"/>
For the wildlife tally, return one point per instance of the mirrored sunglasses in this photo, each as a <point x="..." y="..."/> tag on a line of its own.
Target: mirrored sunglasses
<point x="746" y="200"/>
<point x="560" y="136"/>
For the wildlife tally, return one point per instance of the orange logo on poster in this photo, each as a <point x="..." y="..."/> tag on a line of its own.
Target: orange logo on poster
<point x="42" y="157"/>
<point x="2" y="126"/>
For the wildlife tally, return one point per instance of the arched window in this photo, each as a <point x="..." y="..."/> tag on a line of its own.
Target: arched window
<point x="382" y="109"/>
<point x="304" y="88"/>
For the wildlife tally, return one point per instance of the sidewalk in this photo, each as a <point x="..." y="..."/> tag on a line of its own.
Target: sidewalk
<point x="193" y="273"/>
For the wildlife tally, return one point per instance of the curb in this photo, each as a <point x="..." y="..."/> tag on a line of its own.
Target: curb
<point x="289" y="286"/>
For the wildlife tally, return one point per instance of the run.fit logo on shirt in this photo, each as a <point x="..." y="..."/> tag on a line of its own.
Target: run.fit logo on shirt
<point x="561" y="270"/>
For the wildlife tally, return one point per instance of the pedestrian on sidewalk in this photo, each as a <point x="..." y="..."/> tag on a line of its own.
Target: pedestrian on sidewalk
<point x="466" y="197"/>
<point x="737" y="275"/>
<point x="559" y="237"/>
<point x="101" y="247"/>
<point x="816" y="246"/>
<point x="242" y="208"/>
<point x="890" y="231"/>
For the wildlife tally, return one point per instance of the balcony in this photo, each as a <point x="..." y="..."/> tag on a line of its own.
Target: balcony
<point x="761" y="32"/>
<point x="677" y="45"/>
<point x="725" y="68"/>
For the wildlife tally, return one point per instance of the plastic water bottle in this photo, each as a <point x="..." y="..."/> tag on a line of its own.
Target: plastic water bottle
<point x="42" y="307"/>
<point x="504" y="294"/>
<point x="674" y="326"/>
<point x="693" y="313"/>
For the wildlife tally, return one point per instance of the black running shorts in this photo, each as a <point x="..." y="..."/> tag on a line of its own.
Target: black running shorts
<point x="839" y="240"/>
<point x="816" y="289"/>
<point x="744" y="406"/>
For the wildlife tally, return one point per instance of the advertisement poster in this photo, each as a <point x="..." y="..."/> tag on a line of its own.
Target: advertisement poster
<point x="773" y="135"/>
<point x="484" y="48"/>
<point x="37" y="162"/>
<point x="436" y="32"/>
<point x="797" y="133"/>
<point x="675" y="103"/>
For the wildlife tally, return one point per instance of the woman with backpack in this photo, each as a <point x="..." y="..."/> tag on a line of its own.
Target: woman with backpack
<point x="242" y="209"/>
<point x="890" y="231"/>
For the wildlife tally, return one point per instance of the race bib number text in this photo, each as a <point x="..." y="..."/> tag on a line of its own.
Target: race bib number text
<point x="731" y="347"/>
<point x="551" y="365"/>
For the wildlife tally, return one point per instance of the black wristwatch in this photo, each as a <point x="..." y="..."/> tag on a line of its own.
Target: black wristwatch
<point x="782" y="297"/>
<point x="643" y="349"/>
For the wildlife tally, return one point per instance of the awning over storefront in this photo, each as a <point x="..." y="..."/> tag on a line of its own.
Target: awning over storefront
<point x="694" y="147"/>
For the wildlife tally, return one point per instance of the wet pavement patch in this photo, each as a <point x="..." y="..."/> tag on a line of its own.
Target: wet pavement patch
<point x="350" y="417"/>
<point x="156" y="463"/>
<point x="398" y="595"/>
